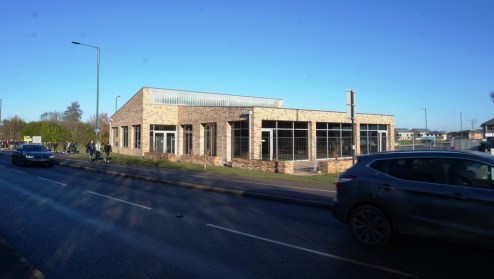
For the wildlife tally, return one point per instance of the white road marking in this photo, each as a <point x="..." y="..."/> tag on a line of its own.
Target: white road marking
<point x="19" y="171"/>
<point x="131" y="203"/>
<point x="63" y="184"/>
<point x="382" y="268"/>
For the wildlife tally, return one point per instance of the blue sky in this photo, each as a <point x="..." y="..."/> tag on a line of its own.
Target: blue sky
<point x="399" y="56"/>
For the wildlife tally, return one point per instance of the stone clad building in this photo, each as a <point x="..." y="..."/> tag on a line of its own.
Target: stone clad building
<point x="227" y="129"/>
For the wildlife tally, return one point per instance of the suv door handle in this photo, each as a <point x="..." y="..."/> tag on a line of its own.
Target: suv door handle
<point x="456" y="196"/>
<point x="386" y="187"/>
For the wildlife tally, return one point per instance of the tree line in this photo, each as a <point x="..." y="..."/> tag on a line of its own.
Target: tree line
<point x="57" y="127"/>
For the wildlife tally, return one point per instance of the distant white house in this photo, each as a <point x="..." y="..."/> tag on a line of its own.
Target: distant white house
<point x="438" y="135"/>
<point x="420" y="133"/>
<point x="403" y="134"/>
<point x="488" y="129"/>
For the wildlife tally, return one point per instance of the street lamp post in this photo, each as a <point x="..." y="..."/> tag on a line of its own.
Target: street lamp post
<point x="425" y="109"/>
<point x="116" y="98"/>
<point x="97" y="86"/>
<point x="461" y="123"/>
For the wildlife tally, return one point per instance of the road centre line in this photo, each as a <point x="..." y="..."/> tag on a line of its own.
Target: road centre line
<point x="131" y="203"/>
<point x="382" y="268"/>
<point x="23" y="172"/>
<point x="63" y="184"/>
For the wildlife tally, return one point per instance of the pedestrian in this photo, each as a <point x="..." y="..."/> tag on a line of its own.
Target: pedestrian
<point x="97" y="148"/>
<point x="90" y="149"/>
<point x="107" y="150"/>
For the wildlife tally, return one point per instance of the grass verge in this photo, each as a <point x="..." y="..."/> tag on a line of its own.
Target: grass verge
<point x="132" y="160"/>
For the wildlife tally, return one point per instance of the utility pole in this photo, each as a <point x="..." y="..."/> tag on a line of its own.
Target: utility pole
<point x="425" y="109"/>
<point x="350" y="114"/>
<point x="472" y="121"/>
<point x="461" y="123"/>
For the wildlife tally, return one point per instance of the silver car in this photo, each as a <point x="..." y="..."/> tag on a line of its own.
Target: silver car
<point x="441" y="194"/>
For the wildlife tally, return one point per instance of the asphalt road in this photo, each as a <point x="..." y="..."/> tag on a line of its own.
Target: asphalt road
<point x="72" y="222"/>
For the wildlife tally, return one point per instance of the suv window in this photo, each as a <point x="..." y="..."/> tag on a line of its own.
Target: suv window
<point x="469" y="173"/>
<point x="414" y="169"/>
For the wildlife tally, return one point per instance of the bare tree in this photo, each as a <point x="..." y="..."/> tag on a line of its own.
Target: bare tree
<point x="54" y="116"/>
<point x="12" y="128"/>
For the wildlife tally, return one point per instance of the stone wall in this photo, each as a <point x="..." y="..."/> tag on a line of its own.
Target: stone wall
<point x="160" y="156"/>
<point x="201" y="160"/>
<point x="191" y="159"/>
<point x="285" y="167"/>
<point x="334" y="166"/>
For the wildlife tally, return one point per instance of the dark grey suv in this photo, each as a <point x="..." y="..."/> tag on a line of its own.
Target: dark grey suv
<point x="446" y="195"/>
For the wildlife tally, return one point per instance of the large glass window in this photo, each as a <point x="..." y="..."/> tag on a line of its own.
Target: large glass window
<point x="210" y="139"/>
<point x="373" y="138"/>
<point x="125" y="130"/>
<point x="333" y="140"/>
<point x="137" y="136"/>
<point x="187" y="144"/>
<point x="240" y="139"/>
<point x="290" y="140"/>
<point x="115" y="137"/>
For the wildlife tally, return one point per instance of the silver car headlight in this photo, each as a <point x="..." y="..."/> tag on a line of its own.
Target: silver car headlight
<point x="29" y="156"/>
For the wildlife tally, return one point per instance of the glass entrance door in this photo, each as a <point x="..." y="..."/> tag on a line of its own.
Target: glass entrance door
<point x="383" y="141"/>
<point x="164" y="141"/>
<point x="267" y="145"/>
<point x="170" y="142"/>
<point x="159" y="142"/>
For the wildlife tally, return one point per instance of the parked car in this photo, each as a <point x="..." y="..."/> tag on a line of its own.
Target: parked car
<point x="440" y="194"/>
<point x="485" y="146"/>
<point x="32" y="154"/>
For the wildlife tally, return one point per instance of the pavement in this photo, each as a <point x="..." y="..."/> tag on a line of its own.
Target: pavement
<point x="13" y="265"/>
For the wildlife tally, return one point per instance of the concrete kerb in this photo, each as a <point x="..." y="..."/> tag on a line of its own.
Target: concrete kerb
<point x="239" y="193"/>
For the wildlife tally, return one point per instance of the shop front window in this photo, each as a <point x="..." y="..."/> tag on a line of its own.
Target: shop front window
<point x="210" y="139"/>
<point x="240" y="139"/>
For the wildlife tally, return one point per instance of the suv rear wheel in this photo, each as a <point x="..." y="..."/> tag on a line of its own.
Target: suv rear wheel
<point x="370" y="226"/>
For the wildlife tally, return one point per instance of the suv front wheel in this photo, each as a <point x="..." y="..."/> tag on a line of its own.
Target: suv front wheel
<point x="370" y="226"/>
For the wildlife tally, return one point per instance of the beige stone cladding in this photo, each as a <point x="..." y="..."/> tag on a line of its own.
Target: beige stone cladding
<point x="221" y="116"/>
<point x="140" y="111"/>
<point x="130" y="114"/>
<point x="157" y="114"/>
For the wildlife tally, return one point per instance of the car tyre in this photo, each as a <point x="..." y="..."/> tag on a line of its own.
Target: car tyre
<point x="370" y="227"/>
